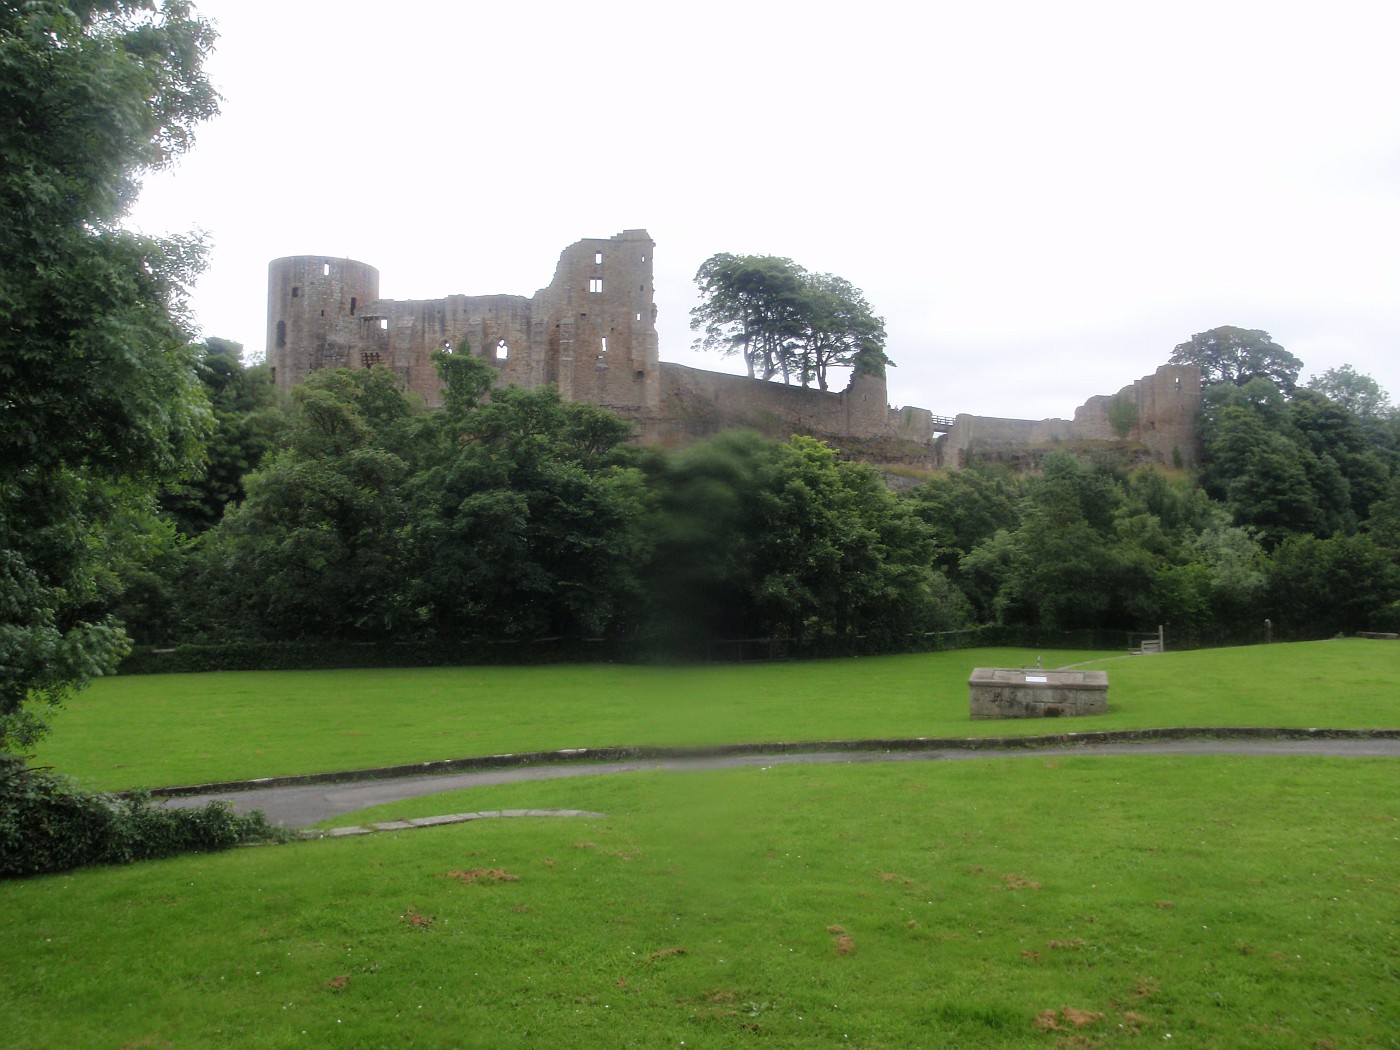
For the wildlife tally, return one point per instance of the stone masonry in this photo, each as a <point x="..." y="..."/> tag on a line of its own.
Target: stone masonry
<point x="1002" y="692"/>
<point x="591" y="333"/>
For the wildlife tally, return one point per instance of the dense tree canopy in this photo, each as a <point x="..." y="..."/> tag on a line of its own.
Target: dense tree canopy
<point x="245" y="425"/>
<point x="513" y="516"/>
<point x="1237" y="355"/>
<point x="785" y="321"/>
<point x="1355" y="391"/>
<point x="101" y="402"/>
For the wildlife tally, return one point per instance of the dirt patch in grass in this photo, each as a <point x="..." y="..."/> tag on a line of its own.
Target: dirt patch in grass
<point x="1019" y="882"/>
<point x="475" y="875"/>
<point x="845" y="943"/>
<point x="413" y="917"/>
<point x="1066" y="1017"/>
<point x="666" y="953"/>
<point x="339" y="982"/>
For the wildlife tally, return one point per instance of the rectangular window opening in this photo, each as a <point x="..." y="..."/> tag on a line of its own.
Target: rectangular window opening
<point x="296" y="291"/>
<point x="325" y="269"/>
<point x="383" y="324"/>
<point x="597" y="258"/>
<point x="639" y="316"/>
<point x="353" y="302"/>
<point x="595" y="285"/>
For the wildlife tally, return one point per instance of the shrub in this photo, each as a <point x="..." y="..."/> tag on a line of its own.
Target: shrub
<point x="48" y="824"/>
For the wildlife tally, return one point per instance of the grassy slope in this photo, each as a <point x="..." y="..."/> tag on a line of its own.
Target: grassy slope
<point x="1216" y="901"/>
<point x="179" y="729"/>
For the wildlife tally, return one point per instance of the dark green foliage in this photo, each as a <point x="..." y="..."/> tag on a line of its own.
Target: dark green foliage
<point x="1122" y="415"/>
<point x="322" y="654"/>
<point x="511" y="517"/>
<point x="1358" y="393"/>
<point x="1343" y="584"/>
<point x="313" y="551"/>
<point x="47" y="824"/>
<point x="245" y="428"/>
<point x="757" y="539"/>
<point x="100" y="399"/>
<point x="1291" y="466"/>
<point x="523" y="521"/>
<point x="1237" y="355"/>
<point x="783" y="320"/>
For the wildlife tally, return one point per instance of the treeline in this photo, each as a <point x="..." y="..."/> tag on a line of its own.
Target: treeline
<point x="354" y="516"/>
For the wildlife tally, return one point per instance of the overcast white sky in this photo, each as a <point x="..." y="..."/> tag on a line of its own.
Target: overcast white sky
<point x="1042" y="199"/>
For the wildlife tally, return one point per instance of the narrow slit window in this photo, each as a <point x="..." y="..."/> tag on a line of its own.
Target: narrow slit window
<point x="325" y="269"/>
<point x="597" y="258"/>
<point x="605" y="344"/>
<point x="639" y="315"/>
<point x="353" y="303"/>
<point x="281" y="334"/>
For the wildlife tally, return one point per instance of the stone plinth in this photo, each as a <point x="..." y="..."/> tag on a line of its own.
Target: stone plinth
<point x="1000" y="692"/>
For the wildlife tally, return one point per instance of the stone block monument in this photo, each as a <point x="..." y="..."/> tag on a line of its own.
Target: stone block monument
<point x="1000" y="692"/>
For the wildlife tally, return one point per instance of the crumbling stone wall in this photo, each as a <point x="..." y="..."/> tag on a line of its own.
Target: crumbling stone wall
<point x="696" y="403"/>
<point x="1167" y="406"/>
<point x="592" y="333"/>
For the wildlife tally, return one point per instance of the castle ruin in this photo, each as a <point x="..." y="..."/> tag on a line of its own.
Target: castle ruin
<point x="591" y="333"/>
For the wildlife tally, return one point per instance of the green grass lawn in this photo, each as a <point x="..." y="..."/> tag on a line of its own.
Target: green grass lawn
<point x="148" y="731"/>
<point x="1125" y="901"/>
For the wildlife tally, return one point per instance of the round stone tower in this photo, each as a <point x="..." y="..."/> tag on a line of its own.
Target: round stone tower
<point x="314" y="305"/>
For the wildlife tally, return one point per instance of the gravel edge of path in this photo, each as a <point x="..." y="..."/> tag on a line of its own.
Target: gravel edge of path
<point x="649" y="752"/>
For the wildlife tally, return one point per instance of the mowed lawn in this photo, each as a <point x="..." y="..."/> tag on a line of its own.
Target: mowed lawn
<point x="148" y="731"/>
<point x="1028" y="901"/>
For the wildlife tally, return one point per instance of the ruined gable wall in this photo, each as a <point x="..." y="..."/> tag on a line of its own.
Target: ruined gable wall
<point x="1168" y="406"/>
<point x="403" y="334"/>
<point x="596" y="325"/>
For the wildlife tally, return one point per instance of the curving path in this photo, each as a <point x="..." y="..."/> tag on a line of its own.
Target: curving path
<point x="299" y="805"/>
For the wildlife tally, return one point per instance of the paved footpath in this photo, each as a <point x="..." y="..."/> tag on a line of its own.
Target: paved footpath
<point x="302" y="805"/>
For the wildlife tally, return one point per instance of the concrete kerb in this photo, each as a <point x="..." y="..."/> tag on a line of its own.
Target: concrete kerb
<point x="448" y="818"/>
<point x="642" y="753"/>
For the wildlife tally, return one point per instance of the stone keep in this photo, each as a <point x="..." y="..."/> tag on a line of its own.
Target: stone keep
<point x="591" y="332"/>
